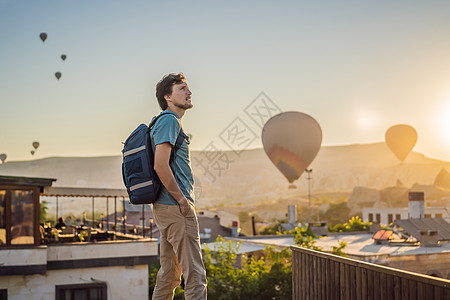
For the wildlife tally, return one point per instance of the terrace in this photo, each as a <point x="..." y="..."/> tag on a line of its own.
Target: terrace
<point x="88" y="260"/>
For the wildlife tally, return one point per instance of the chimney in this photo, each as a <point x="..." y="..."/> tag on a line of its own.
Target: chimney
<point x="234" y="229"/>
<point x="416" y="205"/>
<point x="292" y="214"/>
<point x="429" y="238"/>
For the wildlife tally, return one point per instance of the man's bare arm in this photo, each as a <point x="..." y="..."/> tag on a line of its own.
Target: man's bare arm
<point x="165" y="174"/>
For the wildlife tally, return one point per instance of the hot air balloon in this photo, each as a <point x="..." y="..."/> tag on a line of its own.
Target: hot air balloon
<point x="63" y="57"/>
<point x="292" y="140"/>
<point x="3" y="157"/>
<point x="32" y="152"/>
<point x="43" y="36"/>
<point x="401" y="139"/>
<point x="35" y="145"/>
<point x="58" y="75"/>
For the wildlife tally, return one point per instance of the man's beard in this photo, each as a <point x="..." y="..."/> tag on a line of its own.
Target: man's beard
<point x="185" y="106"/>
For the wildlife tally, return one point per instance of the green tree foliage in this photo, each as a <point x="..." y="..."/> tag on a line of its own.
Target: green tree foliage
<point x="305" y="238"/>
<point x="273" y="229"/>
<point x="229" y="277"/>
<point x="43" y="211"/>
<point x="354" y="224"/>
<point x="337" y="250"/>
<point x="337" y="212"/>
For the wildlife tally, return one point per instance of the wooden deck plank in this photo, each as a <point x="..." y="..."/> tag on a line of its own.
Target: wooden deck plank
<point x="328" y="278"/>
<point x="336" y="281"/>
<point x="315" y="285"/>
<point x="405" y="289"/>
<point x="376" y="285"/>
<point x="303" y="284"/>
<point x="364" y="293"/>
<point x="342" y="281"/>
<point x="438" y="293"/>
<point x="370" y="286"/>
<point x="412" y="286"/>
<point x="383" y="286"/>
<point x="352" y="272"/>
<point x="390" y="294"/>
<point x="358" y="287"/>
<point x="397" y="288"/>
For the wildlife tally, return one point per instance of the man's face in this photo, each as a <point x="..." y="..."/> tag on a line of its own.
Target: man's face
<point x="181" y="96"/>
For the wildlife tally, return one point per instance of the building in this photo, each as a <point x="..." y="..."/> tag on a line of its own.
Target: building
<point x="416" y="209"/>
<point x="389" y="215"/>
<point x="31" y="269"/>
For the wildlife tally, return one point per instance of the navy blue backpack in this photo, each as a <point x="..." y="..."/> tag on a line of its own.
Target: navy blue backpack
<point x="138" y="173"/>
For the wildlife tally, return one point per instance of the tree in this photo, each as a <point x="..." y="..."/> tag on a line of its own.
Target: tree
<point x="43" y="211"/>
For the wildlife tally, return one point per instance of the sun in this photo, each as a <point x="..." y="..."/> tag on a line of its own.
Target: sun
<point x="365" y="119"/>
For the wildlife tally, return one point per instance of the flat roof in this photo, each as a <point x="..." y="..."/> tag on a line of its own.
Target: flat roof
<point x="358" y="244"/>
<point x="83" y="192"/>
<point x="21" y="180"/>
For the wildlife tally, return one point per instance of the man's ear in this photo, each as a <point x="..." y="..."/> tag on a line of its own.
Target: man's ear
<point x="167" y="97"/>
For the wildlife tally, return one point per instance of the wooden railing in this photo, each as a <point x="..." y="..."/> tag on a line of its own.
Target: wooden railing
<point x="319" y="275"/>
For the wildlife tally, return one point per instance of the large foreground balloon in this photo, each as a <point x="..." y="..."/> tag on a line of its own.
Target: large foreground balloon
<point x="401" y="139"/>
<point x="3" y="157"/>
<point x="291" y="141"/>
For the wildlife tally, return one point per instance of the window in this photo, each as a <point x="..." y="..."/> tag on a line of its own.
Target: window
<point x="90" y="291"/>
<point x="2" y="218"/>
<point x="390" y="218"/>
<point x="22" y="209"/>
<point x="398" y="217"/>
<point x="378" y="217"/>
<point x="427" y="216"/>
<point x="370" y="217"/>
<point x="3" y="294"/>
<point x="438" y="215"/>
<point x="19" y="216"/>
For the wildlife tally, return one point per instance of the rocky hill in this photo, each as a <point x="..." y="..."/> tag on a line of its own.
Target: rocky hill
<point x="249" y="176"/>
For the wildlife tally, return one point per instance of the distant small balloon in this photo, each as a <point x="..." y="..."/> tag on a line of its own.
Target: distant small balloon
<point x="35" y="144"/>
<point x="58" y="75"/>
<point x="43" y="36"/>
<point x="3" y="157"/>
<point x="63" y="57"/>
<point x="32" y="152"/>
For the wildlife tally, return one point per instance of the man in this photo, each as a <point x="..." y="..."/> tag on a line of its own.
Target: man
<point x="174" y="210"/>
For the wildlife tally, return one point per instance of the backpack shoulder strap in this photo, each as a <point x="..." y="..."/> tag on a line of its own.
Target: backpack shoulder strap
<point x="178" y="142"/>
<point x="155" y="118"/>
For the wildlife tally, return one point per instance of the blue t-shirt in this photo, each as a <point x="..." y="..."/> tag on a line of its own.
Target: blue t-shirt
<point x="165" y="130"/>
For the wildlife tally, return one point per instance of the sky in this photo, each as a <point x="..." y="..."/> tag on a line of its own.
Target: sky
<point x="357" y="67"/>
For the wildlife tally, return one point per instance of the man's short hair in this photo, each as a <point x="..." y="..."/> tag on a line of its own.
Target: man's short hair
<point x="164" y="87"/>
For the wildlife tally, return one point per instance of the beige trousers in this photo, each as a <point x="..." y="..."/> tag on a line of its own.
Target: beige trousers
<point x="180" y="252"/>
